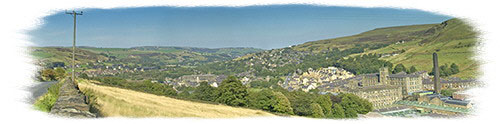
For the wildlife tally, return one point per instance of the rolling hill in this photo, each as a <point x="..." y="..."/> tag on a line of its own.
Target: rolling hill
<point x="142" y="56"/>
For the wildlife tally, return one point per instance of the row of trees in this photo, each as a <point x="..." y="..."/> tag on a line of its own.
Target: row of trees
<point x="401" y="68"/>
<point x="445" y="70"/>
<point x="363" y="64"/>
<point x="278" y="100"/>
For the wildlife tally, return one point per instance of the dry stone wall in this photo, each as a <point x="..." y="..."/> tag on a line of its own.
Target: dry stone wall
<point x="71" y="102"/>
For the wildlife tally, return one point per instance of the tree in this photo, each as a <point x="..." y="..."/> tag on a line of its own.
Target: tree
<point x="205" y="92"/>
<point x="270" y="101"/>
<point x="301" y="102"/>
<point x="317" y="111"/>
<point x="359" y="105"/>
<point x="282" y="105"/>
<point x="232" y="92"/>
<point x="326" y="104"/>
<point x="350" y="113"/>
<point x="399" y="68"/>
<point x="444" y="70"/>
<point x="263" y="99"/>
<point x="447" y="92"/>
<point x="454" y="68"/>
<point x="413" y="69"/>
<point x="338" y="111"/>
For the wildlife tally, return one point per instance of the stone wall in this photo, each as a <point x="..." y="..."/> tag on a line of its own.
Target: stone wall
<point x="71" y="102"/>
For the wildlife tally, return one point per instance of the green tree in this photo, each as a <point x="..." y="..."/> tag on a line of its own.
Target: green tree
<point x="454" y="68"/>
<point x="359" y="105"/>
<point x="232" y="92"/>
<point x="317" y="111"/>
<point x="338" y="111"/>
<point x="263" y="99"/>
<point x="413" y="69"/>
<point x="447" y="92"/>
<point x="301" y="102"/>
<point x="444" y="70"/>
<point x="399" y="68"/>
<point x="326" y="104"/>
<point x="350" y="113"/>
<point x="283" y="104"/>
<point x="205" y="92"/>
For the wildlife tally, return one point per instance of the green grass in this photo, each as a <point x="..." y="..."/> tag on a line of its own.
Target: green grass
<point x="46" y="102"/>
<point x="454" y="43"/>
<point x="41" y="54"/>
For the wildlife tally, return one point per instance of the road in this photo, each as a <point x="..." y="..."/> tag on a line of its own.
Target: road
<point x="38" y="90"/>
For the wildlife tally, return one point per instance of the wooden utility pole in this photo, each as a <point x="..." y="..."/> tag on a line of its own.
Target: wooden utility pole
<point x="74" y="14"/>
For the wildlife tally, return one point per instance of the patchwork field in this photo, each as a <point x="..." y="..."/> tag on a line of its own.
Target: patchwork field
<point x="116" y="102"/>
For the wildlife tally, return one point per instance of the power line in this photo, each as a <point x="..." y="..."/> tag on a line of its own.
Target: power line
<point x="74" y="14"/>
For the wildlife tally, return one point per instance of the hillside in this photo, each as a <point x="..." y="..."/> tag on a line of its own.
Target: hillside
<point x="64" y="54"/>
<point x="411" y="45"/>
<point x="116" y="102"/>
<point x="139" y="56"/>
<point x="379" y="36"/>
<point x="453" y="40"/>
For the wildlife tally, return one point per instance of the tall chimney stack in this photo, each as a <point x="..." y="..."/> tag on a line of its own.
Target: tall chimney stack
<point x="437" y="83"/>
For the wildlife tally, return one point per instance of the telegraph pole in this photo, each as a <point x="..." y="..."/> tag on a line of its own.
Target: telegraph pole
<point x="74" y="14"/>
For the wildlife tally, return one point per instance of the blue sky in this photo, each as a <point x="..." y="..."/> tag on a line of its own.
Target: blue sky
<point x="263" y="27"/>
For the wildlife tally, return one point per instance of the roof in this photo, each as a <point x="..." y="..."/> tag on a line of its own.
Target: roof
<point x="432" y="96"/>
<point x="403" y="75"/>
<point x="457" y="102"/>
<point x="375" y="88"/>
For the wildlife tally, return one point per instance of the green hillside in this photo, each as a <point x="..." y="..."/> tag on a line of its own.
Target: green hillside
<point x="379" y="36"/>
<point x="64" y="54"/>
<point x="453" y="40"/>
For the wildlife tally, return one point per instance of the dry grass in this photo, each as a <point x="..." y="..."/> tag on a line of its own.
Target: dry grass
<point x="116" y="102"/>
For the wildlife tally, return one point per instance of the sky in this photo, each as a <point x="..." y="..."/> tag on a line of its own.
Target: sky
<point x="265" y="27"/>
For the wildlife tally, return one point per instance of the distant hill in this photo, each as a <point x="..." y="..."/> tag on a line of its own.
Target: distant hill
<point x="145" y="56"/>
<point x="64" y="54"/>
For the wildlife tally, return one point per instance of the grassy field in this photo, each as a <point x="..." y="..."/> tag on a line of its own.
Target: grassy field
<point x="116" y="102"/>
